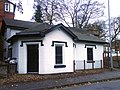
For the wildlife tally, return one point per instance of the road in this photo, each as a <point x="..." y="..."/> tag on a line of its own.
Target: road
<point x="110" y="85"/>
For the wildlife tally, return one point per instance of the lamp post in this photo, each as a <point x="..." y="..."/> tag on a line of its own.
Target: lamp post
<point x="110" y="41"/>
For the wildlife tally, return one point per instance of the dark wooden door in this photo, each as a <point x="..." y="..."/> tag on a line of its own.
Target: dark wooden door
<point x="32" y="58"/>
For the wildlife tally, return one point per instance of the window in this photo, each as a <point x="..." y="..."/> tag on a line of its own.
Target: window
<point x="7" y="7"/>
<point x="58" y="54"/>
<point x="11" y="8"/>
<point x="90" y="54"/>
<point x="10" y="52"/>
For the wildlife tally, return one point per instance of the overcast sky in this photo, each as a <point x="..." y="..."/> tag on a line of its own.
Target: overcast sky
<point x="28" y="9"/>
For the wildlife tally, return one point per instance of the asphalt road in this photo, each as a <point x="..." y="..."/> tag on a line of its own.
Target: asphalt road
<point x="110" y="85"/>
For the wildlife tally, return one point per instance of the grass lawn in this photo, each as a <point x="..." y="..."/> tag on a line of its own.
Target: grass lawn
<point x="19" y="78"/>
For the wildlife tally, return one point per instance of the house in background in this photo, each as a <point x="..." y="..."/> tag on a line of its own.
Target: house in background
<point x="47" y="49"/>
<point x="115" y="54"/>
<point x="7" y="10"/>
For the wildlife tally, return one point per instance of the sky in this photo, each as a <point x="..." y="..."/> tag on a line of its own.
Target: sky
<point x="114" y="7"/>
<point x="28" y="9"/>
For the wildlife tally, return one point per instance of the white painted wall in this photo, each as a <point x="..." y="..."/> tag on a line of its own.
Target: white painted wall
<point x="15" y="50"/>
<point x="81" y="55"/>
<point x="47" y="54"/>
<point x="6" y="36"/>
<point x="8" y="33"/>
<point x="13" y="32"/>
<point x="22" y="55"/>
<point x="22" y="59"/>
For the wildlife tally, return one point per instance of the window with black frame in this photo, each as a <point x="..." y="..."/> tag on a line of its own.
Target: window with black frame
<point x="89" y="55"/>
<point x="58" y="54"/>
<point x="10" y="52"/>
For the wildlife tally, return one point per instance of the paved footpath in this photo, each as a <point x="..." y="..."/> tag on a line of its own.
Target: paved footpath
<point x="111" y="85"/>
<point x="40" y="85"/>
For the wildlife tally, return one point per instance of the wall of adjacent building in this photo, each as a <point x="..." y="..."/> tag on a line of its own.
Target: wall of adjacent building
<point x="7" y="34"/>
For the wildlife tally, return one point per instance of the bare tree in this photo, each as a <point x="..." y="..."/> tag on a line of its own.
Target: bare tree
<point x="115" y="27"/>
<point x="68" y="12"/>
<point x="49" y="9"/>
<point x="19" y="6"/>
<point x="79" y="12"/>
<point x="75" y="13"/>
<point x="115" y="30"/>
<point x="98" y="28"/>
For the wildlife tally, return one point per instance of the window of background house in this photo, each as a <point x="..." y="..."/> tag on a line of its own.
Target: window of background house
<point x="7" y="7"/>
<point x="10" y="52"/>
<point x="58" y="54"/>
<point x="90" y="54"/>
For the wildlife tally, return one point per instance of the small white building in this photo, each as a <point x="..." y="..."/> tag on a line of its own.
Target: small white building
<point x="48" y="49"/>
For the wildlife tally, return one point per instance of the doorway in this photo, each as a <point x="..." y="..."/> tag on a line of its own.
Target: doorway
<point x="32" y="58"/>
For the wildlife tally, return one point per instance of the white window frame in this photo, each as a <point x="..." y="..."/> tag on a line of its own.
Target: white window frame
<point x="7" y="7"/>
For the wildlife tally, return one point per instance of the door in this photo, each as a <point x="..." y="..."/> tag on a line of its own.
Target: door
<point x="32" y="58"/>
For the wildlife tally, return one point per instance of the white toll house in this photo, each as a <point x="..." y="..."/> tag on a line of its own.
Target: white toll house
<point x="46" y="49"/>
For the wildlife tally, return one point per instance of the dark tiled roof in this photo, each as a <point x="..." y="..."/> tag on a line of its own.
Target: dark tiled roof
<point x="84" y="36"/>
<point x="41" y="27"/>
<point x="45" y="28"/>
<point x="37" y="28"/>
<point x="81" y="34"/>
<point x="77" y="30"/>
<point x="19" y="23"/>
<point x="9" y="1"/>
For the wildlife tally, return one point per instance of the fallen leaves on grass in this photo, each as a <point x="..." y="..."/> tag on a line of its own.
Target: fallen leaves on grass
<point x="18" y="78"/>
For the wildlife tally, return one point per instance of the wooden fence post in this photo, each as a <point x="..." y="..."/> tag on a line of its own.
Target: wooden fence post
<point x="84" y="64"/>
<point x="8" y="68"/>
<point x="101" y="63"/>
<point x="74" y="65"/>
<point x="92" y="65"/>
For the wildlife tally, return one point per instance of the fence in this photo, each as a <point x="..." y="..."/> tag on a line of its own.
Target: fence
<point x="83" y="64"/>
<point x="7" y="69"/>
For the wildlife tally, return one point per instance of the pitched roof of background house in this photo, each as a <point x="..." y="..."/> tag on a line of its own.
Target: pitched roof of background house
<point x="19" y="23"/>
<point x="42" y="29"/>
<point x="9" y="1"/>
